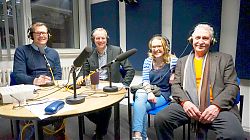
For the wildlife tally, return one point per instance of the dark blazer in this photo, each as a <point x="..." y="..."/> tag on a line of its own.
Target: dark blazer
<point x="223" y="81"/>
<point x="112" y="53"/>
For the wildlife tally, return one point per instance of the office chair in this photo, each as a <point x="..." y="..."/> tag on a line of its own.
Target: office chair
<point x="153" y="111"/>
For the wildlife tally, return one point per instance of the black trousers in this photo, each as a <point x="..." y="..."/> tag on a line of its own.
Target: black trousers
<point x="226" y="125"/>
<point x="101" y="119"/>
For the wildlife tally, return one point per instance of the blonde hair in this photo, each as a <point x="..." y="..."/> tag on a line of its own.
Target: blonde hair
<point x="166" y="47"/>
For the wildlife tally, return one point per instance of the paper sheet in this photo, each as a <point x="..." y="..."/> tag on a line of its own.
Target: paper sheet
<point x="38" y="107"/>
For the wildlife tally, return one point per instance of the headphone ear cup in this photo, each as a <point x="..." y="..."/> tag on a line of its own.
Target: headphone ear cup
<point x="107" y="39"/>
<point x="92" y="36"/>
<point x="92" y="39"/>
<point x="49" y="35"/>
<point x="190" y="40"/>
<point x="30" y="33"/>
<point x="213" y="41"/>
<point x="166" y="40"/>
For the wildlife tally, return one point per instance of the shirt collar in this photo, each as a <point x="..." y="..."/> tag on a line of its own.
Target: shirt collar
<point x="35" y="47"/>
<point x="104" y="53"/>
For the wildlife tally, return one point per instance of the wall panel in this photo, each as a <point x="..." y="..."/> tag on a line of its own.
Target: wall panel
<point x="142" y="22"/>
<point x="188" y="13"/>
<point x="106" y="14"/>
<point x="243" y="41"/>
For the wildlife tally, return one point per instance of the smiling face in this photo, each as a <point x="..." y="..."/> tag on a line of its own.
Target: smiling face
<point x="100" y="39"/>
<point x="201" y="40"/>
<point x="157" y="48"/>
<point x="40" y="35"/>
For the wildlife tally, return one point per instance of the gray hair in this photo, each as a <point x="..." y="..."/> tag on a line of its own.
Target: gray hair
<point x="206" y="27"/>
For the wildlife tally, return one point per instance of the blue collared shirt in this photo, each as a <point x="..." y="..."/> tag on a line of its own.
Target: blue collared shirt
<point x="102" y="59"/>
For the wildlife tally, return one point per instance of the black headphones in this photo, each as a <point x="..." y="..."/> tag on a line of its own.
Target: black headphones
<point x="213" y="40"/>
<point x="93" y="37"/>
<point x="164" y="38"/>
<point x="30" y="30"/>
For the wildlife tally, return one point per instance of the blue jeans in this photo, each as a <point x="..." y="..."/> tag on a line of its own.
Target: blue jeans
<point x="141" y="106"/>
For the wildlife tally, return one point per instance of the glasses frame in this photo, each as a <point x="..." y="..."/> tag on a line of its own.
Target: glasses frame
<point x="39" y="33"/>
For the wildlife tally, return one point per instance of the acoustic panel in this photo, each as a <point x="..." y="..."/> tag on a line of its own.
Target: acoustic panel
<point x="106" y="15"/>
<point x="243" y="41"/>
<point x="143" y="20"/>
<point x="186" y="15"/>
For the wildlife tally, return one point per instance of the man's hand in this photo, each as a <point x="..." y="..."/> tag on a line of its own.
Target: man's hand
<point x="42" y="80"/>
<point x="191" y="110"/>
<point x="209" y="114"/>
<point x="151" y="97"/>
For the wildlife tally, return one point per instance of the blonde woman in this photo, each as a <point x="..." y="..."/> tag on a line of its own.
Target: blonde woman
<point x="155" y="91"/>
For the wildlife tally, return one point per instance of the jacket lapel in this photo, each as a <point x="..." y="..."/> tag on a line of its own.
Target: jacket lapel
<point x="94" y="60"/>
<point x="213" y="68"/>
<point x="109" y="54"/>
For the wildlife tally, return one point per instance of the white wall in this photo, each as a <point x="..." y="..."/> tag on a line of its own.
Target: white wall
<point x="228" y="42"/>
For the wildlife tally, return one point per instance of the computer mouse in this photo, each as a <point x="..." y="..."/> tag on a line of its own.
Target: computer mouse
<point x="54" y="107"/>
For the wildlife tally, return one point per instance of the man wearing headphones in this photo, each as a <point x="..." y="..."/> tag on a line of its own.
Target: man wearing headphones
<point x="204" y="89"/>
<point x="30" y="66"/>
<point x="102" y="54"/>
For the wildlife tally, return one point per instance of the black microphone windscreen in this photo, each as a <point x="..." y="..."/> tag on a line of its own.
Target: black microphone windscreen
<point x="126" y="54"/>
<point x="41" y="50"/>
<point x="78" y="62"/>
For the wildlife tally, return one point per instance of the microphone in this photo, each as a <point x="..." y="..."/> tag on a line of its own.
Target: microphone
<point x="121" y="57"/>
<point x="125" y="55"/>
<point x="78" y="62"/>
<point x="42" y="51"/>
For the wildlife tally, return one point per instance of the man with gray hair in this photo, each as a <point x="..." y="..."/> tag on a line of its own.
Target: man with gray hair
<point x="204" y="89"/>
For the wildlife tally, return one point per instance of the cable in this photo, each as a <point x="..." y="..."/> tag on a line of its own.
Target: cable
<point x="19" y="102"/>
<point x="24" y="127"/>
<point x="184" y="50"/>
<point x="52" y="132"/>
<point x="48" y="94"/>
<point x="45" y="130"/>
<point x="88" y="76"/>
<point x="52" y="74"/>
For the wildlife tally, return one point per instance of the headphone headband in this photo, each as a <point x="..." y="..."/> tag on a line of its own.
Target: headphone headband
<point x="99" y="29"/>
<point x="30" y="30"/>
<point x="164" y="38"/>
<point x="206" y="25"/>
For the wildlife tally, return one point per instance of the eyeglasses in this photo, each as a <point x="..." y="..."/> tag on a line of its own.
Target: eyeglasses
<point x="157" y="46"/>
<point x="39" y="33"/>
